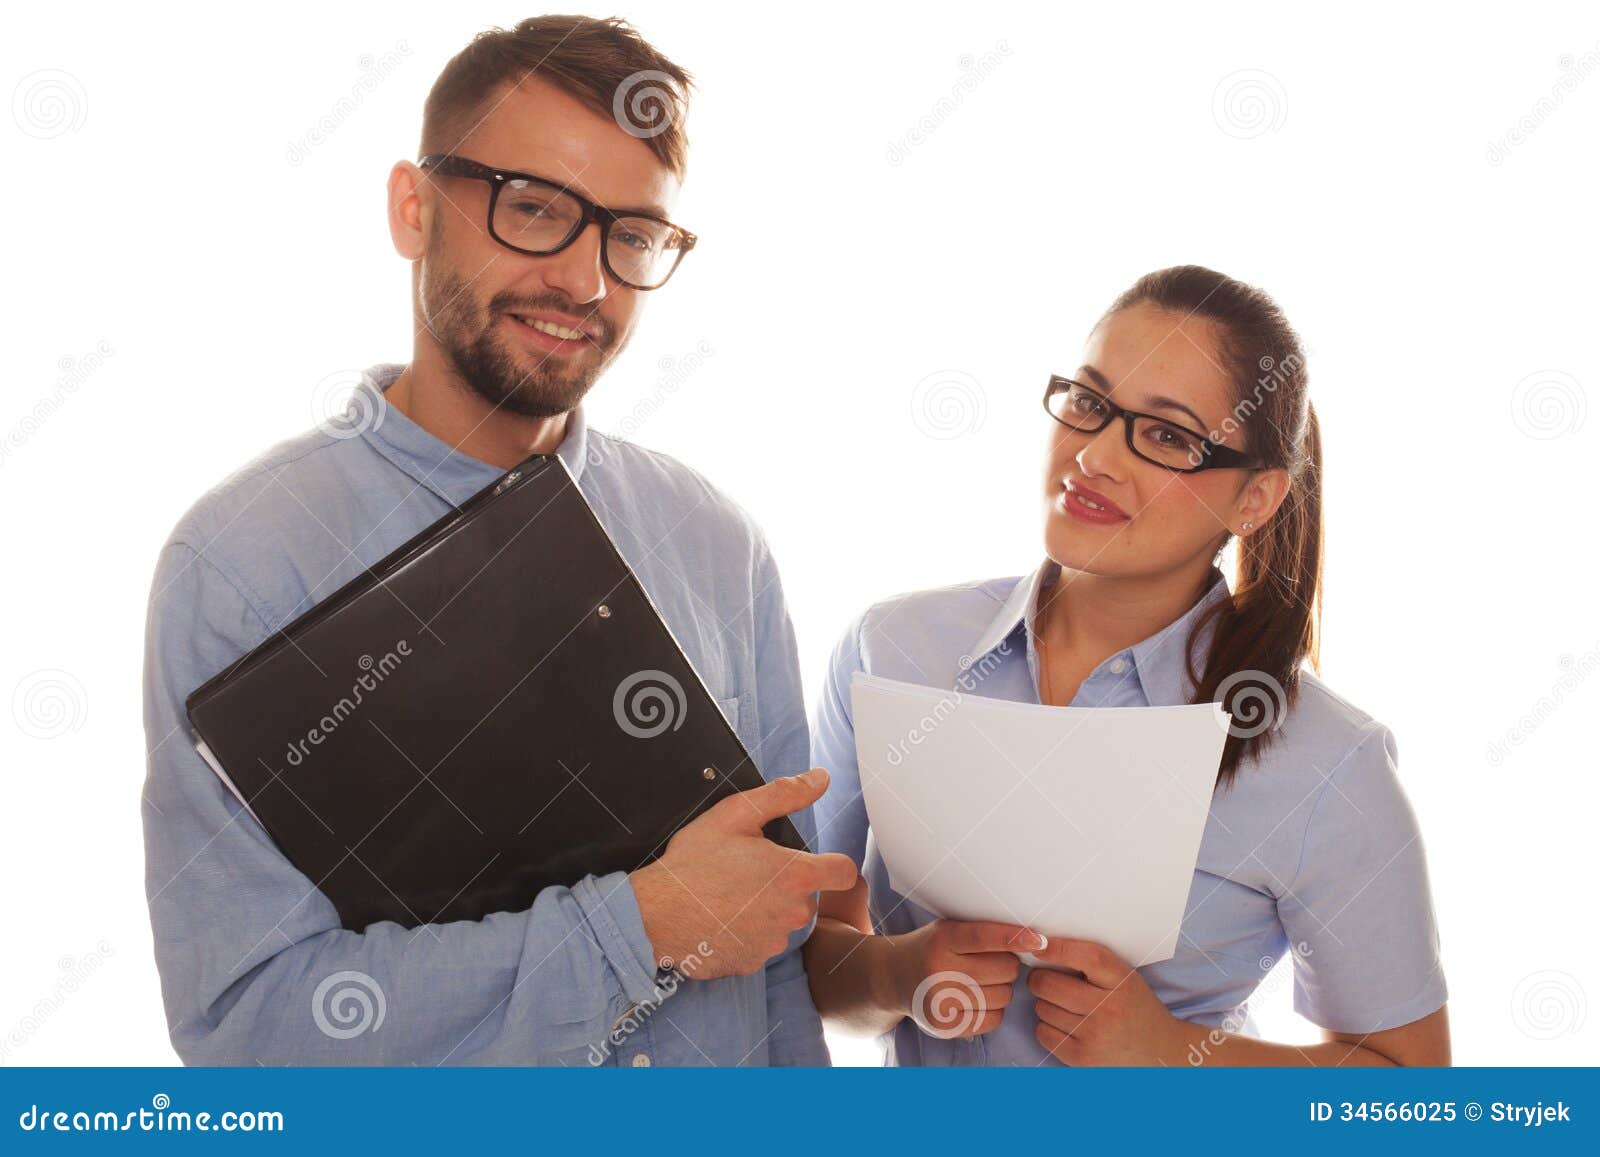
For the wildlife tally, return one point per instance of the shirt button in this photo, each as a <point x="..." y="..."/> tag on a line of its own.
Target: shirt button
<point x="1118" y="666"/>
<point x="641" y="1061"/>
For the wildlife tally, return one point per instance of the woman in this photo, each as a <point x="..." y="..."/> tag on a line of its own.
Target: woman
<point x="1187" y="427"/>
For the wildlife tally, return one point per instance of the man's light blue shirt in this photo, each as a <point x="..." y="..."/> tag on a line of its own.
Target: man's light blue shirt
<point x="252" y="957"/>
<point x="1313" y="850"/>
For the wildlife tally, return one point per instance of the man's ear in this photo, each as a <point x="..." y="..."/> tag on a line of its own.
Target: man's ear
<point x="1259" y="499"/>
<point x="409" y="211"/>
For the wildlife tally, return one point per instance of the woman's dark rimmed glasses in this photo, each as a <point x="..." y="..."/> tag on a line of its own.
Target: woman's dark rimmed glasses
<point x="539" y="217"/>
<point x="1153" y="438"/>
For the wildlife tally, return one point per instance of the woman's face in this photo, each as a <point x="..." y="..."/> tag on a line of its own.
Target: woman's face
<point x="1153" y="521"/>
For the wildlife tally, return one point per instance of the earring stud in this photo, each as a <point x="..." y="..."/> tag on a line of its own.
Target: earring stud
<point x="1247" y="525"/>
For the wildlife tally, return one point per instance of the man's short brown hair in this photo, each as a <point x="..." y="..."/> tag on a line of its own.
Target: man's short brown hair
<point x="605" y="64"/>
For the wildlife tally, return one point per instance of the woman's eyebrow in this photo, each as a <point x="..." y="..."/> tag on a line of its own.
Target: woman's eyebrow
<point x="1158" y="402"/>
<point x="1096" y="377"/>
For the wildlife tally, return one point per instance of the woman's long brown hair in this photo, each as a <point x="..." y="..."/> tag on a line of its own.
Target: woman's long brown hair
<point x="1270" y="626"/>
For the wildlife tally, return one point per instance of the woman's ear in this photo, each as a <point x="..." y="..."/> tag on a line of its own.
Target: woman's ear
<point x="1259" y="499"/>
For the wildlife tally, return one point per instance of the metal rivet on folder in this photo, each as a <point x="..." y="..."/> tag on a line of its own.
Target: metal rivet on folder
<point x="709" y="773"/>
<point x="604" y="611"/>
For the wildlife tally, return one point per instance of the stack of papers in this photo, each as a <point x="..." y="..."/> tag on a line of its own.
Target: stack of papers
<point x="1077" y="822"/>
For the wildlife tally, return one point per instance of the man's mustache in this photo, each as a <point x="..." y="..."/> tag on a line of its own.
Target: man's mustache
<point x="588" y="317"/>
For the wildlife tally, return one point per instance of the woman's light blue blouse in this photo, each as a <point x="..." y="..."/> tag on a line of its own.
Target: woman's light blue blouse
<point x="1313" y="850"/>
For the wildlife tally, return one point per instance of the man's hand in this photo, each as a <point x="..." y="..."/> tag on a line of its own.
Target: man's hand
<point x="954" y="977"/>
<point x="1108" y="1016"/>
<point x="722" y="882"/>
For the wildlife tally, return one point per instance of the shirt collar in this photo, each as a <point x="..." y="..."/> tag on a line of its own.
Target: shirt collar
<point x="434" y="463"/>
<point x="1161" y="660"/>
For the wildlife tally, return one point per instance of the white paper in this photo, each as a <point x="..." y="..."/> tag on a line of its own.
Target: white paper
<point x="205" y="754"/>
<point x="1074" y="821"/>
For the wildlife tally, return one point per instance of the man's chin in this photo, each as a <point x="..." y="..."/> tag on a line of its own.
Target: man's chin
<point x="531" y="399"/>
<point x="526" y="386"/>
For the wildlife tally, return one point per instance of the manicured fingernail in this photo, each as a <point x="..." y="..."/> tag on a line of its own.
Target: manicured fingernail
<point x="1041" y="942"/>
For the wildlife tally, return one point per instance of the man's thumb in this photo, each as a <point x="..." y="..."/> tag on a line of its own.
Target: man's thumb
<point x="752" y="810"/>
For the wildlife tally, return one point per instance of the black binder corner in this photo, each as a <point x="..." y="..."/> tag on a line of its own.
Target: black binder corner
<point x="494" y="708"/>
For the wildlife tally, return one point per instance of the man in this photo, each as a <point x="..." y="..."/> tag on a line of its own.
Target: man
<point x="523" y="291"/>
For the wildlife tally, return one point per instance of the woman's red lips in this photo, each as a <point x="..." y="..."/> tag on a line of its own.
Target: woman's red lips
<point x="1109" y="511"/>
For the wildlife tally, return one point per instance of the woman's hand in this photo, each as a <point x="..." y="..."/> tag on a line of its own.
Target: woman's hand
<point x="954" y="978"/>
<point x="1109" y="1016"/>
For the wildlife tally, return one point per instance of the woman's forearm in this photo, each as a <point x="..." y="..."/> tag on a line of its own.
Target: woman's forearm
<point x="853" y="978"/>
<point x="1204" y="1045"/>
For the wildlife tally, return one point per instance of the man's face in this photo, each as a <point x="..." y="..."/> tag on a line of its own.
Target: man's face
<point x="532" y="334"/>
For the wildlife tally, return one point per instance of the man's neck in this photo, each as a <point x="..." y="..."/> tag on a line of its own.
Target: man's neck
<point x="434" y="398"/>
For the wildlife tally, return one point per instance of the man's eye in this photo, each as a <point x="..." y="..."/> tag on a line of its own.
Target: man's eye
<point x="631" y="240"/>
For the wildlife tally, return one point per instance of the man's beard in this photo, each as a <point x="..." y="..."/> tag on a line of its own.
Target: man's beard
<point x="525" y="382"/>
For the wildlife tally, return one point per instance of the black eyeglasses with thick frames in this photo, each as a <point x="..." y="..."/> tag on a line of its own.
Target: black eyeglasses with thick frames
<point x="539" y="217"/>
<point x="1151" y="437"/>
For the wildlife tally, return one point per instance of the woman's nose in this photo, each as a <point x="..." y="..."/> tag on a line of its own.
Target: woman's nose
<point x="1105" y="453"/>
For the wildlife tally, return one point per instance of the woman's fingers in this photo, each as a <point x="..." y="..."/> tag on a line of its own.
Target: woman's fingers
<point x="975" y="936"/>
<point x="1069" y="992"/>
<point x="1057" y="1017"/>
<point x="1063" y="1047"/>
<point x="1102" y="966"/>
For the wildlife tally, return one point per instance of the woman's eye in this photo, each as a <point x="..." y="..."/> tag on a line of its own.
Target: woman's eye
<point x="1169" y="439"/>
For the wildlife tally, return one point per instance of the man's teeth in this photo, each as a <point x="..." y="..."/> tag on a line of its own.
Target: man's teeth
<point x="551" y="328"/>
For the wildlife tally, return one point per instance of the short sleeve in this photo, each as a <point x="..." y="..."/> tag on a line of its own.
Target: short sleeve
<point x="841" y="813"/>
<point x="1359" y="913"/>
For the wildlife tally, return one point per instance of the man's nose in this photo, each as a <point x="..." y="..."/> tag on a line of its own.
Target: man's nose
<point x="577" y="270"/>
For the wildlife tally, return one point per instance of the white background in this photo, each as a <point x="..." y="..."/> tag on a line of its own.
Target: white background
<point x="177" y="285"/>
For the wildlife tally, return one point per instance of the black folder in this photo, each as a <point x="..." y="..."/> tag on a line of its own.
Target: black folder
<point x="493" y="708"/>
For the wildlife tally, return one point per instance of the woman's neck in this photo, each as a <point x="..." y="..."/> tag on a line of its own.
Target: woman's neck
<point x="1092" y="617"/>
